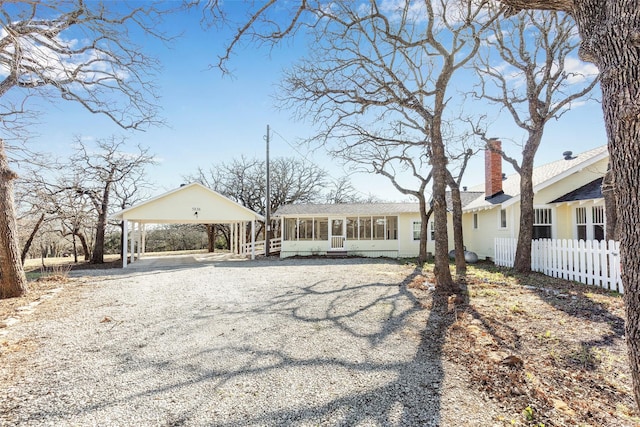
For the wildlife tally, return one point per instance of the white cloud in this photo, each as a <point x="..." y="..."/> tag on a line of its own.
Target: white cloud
<point x="579" y="71"/>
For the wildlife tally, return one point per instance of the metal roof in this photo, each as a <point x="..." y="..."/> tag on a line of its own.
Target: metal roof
<point x="347" y="209"/>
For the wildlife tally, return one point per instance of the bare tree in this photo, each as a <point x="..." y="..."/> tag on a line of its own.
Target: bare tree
<point x="610" y="39"/>
<point x="403" y="162"/>
<point x="98" y="171"/>
<point x="52" y="198"/>
<point x="41" y="55"/>
<point x="373" y="69"/>
<point x="535" y="82"/>
<point x="341" y="190"/>
<point x="244" y="181"/>
<point x="456" y="211"/>
<point x="131" y="189"/>
<point x="13" y="281"/>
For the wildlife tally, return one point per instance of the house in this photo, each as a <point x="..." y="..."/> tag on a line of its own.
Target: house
<point x="568" y="202"/>
<point x="367" y="229"/>
<point x="568" y="205"/>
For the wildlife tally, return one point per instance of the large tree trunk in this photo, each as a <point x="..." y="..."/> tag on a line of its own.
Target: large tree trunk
<point x="611" y="206"/>
<point x="98" y="247"/>
<point x="13" y="282"/>
<point x="424" y="230"/>
<point x="620" y="97"/>
<point x="458" y="236"/>
<point x="27" y="245"/>
<point x="85" y="246"/>
<point x="522" y="263"/>
<point x="211" y="237"/>
<point x="613" y="45"/>
<point x="444" y="281"/>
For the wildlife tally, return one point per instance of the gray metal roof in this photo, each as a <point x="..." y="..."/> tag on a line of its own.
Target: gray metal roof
<point x="347" y="209"/>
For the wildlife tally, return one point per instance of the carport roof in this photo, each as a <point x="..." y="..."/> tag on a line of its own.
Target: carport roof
<point x="190" y="204"/>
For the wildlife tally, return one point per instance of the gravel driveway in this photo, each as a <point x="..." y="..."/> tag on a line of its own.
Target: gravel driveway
<point x="301" y="342"/>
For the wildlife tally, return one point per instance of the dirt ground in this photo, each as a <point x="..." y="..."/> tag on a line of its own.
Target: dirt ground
<point x="548" y="351"/>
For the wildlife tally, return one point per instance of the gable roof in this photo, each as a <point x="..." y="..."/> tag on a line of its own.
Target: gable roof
<point x="591" y="190"/>
<point x="345" y="209"/>
<point x="543" y="176"/>
<point x="189" y="204"/>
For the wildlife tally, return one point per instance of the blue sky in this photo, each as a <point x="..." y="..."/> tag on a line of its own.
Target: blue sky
<point x="212" y="118"/>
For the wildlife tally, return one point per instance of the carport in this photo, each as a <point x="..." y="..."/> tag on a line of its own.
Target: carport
<point x="190" y="204"/>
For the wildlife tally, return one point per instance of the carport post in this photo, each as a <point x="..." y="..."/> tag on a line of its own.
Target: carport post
<point x="144" y="238"/>
<point x="253" y="239"/>
<point x="125" y="231"/>
<point x="244" y="238"/>
<point x="133" y="234"/>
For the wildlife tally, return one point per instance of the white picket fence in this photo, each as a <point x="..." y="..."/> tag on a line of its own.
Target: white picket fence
<point x="591" y="262"/>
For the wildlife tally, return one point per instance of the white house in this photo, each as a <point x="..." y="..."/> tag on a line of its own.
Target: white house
<point x="568" y="204"/>
<point x="371" y="229"/>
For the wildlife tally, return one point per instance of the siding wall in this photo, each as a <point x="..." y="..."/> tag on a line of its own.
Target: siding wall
<point x="481" y="240"/>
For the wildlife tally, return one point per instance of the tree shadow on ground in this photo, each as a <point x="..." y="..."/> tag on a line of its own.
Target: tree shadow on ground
<point x="599" y="326"/>
<point x="387" y="390"/>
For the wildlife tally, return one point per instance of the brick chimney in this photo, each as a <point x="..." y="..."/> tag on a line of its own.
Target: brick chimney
<point x="492" y="169"/>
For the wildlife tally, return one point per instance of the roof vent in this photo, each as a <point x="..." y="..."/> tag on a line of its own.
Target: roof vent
<point x="504" y="176"/>
<point x="568" y="155"/>
<point x="464" y="188"/>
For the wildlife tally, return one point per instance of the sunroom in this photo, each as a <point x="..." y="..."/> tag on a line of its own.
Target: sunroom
<point x="372" y="230"/>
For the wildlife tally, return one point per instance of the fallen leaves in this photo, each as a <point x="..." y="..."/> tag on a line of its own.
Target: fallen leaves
<point x="549" y="345"/>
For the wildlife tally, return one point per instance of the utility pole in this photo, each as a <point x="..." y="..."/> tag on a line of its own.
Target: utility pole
<point x="267" y="224"/>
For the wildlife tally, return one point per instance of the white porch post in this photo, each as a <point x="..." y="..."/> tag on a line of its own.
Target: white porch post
<point x="144" y="238"/>
<point x="253" y="239"/>
<point x="125" y="242"/>
<point x="132" y="239"/>
<point x="244" y="237"/>
<point x="139" y="240"/>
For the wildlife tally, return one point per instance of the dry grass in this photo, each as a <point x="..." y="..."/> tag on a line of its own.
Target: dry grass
<point x="550" y="352"/>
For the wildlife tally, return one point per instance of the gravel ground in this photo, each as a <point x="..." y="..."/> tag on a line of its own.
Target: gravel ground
<point x="301" y="342"/>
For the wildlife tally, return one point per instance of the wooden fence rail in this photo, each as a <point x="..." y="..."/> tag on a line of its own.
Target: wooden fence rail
<point x="591" y="262"/>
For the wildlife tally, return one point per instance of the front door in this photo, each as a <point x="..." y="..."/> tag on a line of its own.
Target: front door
<point x="337" y="236"/>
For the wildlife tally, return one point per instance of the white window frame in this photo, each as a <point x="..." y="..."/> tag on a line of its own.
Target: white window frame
<point x="589" y="220"/>
<point x="413" y="230"/>
<point x="506" y="219"/>
<point x="552" y="211"/>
